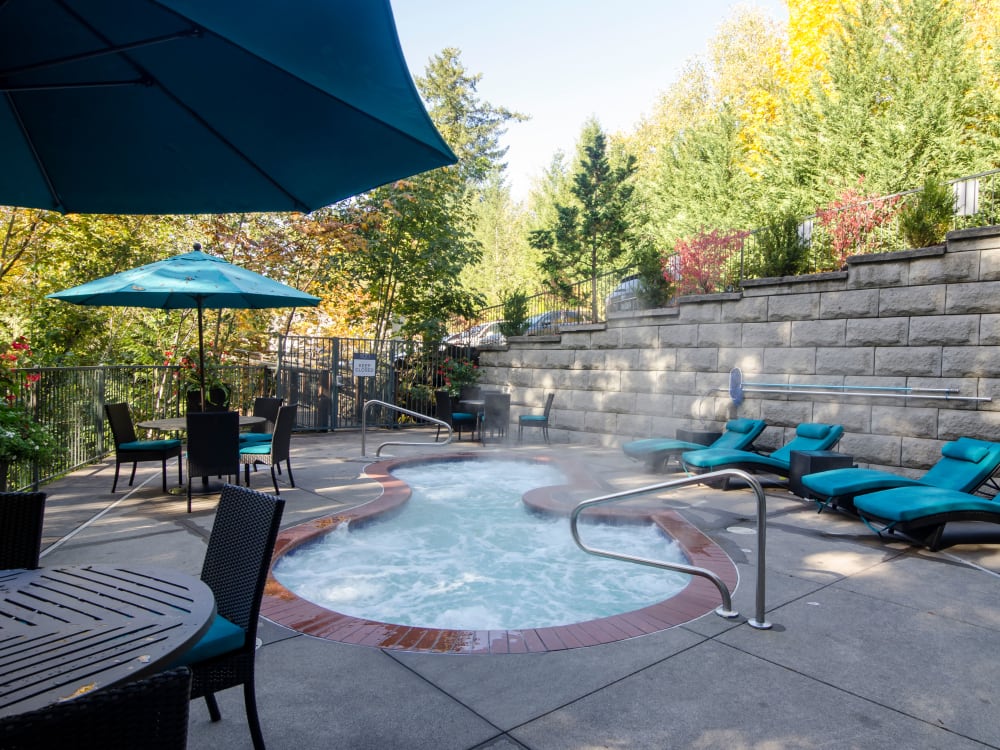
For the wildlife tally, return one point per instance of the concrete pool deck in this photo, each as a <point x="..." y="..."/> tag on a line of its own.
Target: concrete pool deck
<point x="874" y="643"/>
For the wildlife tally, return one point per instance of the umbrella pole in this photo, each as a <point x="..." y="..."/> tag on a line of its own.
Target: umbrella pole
<point x="201" y="357"/>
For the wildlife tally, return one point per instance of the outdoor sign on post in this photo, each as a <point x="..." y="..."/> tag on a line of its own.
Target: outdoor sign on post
<point x="364" y="365"/>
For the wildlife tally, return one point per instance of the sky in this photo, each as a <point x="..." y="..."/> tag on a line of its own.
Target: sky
<point x="564" y="61"/>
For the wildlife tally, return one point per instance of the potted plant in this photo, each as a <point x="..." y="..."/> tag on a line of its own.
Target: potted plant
<point x="457" y="372"/>
<point x="22" y="438"/>
<point x="189" y="379"/>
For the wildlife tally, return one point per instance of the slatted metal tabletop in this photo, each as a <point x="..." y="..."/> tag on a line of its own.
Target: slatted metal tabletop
<point x="66" y="631"/>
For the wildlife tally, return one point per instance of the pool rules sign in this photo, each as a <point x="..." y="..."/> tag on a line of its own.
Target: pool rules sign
<point x="364" y="365"/>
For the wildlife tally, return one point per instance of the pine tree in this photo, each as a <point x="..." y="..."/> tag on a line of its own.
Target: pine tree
<point x="590" y="235"/>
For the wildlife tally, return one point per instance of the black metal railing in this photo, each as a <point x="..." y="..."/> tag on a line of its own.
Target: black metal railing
<point x="573" y="305"/>
<point x="315" y="372"/>
<point x="69" y="403"/>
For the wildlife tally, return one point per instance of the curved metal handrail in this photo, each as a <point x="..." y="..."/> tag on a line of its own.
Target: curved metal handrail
<point x="726" y="608"/>
<point x="401" y="410"/>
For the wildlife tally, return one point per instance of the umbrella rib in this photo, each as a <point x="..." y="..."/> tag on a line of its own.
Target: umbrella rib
<point x="108" y="50"/>
<point x="56" y="198"/>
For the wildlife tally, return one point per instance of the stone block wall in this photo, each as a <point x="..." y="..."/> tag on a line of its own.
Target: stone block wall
<point x="923" y="319"/>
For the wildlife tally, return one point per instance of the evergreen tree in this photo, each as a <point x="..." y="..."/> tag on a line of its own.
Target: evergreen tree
<point x="401" y="249"/>
<point x="590" y="236"/>
<point x="893" y="105"/>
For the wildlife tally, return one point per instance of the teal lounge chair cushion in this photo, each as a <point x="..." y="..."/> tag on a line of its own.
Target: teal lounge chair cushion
<point x="809" y="436"/>
<point x="850" y="482"/>
<point x="965" y="449"/>
<point x="149" y="445"/>
<point x="531" y="417"/>
<point x="718" y="458"/>
<point x="964" y="465"/>
<point x="907" y="504"/>
<point x="739" y="434"/>
<point x="221" y="638"/>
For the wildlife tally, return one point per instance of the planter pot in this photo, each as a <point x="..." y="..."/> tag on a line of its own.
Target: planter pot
<point x="216" y="399"/>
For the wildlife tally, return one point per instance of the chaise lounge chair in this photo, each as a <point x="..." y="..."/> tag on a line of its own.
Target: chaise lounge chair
<point x="656" y="452"/>
<point x="809" y="436"/>
<point x="966" y="464"/>
<point x="921" y="512"/>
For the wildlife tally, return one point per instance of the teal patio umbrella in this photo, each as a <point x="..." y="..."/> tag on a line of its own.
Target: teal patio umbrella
<point x="205" y="106"/>
<point x="194" y="280"/>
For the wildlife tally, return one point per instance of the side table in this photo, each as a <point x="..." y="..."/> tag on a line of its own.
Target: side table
<point x="701" y="437"/>
<point x="810" y="462"/>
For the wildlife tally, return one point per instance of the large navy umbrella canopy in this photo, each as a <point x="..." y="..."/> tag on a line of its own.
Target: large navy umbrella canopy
<point x="205" y="106"/>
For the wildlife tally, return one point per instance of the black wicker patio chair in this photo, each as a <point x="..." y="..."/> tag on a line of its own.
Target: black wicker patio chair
<point x="21" y="515"/>
<point x="129" y="449"/>
<point x="151" y="714"/>
<point x="457" y="419"/>
<point x="235" y="568"/>
<point x="496" y="413"/>
<point x="213" y="447"/>
<point x="267" y="407"/>
<point x="275" y="451"/>
<point x="536" y="420"/>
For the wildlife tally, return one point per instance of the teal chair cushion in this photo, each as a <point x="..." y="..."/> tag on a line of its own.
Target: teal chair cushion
<point x="964" y="465"/>
<point x="533" y="418"/>
<point x="640" y="449"/>
<point x="462" y="416"/>
<point x="256" y="449"/>
<point x="850" y="482"/>
<point x="904" y="504"/>
<point x="255" y="437"/>
<point x="743" y="425"/>
<point x="813" y="430"/>
<point x="149" y="445"/>
<point x="222" y="637"/>
<point x="965" y="450"/>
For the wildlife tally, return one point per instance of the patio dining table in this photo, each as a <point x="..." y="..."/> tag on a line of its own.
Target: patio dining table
<point x="69" y="630"/>
<point x="179" y="424"/>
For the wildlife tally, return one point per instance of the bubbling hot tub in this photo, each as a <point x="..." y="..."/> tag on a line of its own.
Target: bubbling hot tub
<point x="473" y="555"/>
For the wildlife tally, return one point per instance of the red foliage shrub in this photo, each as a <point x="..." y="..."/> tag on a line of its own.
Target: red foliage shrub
<point x="852" y="221"/>
<point x="706" y="261"/>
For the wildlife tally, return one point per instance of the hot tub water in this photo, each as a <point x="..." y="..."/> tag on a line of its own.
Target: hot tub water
<point x="465" y="553"/>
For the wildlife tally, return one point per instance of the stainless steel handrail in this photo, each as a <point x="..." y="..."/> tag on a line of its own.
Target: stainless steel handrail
<point x="726" y="608"/>
<point x="401" y="410"/>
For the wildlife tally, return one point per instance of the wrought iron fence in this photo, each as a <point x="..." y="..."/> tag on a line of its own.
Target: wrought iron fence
<point x="319" y="374"/>
<point x="549" y="310"/>
<point x="316" y="373"/>
<point x="69" y="402"/>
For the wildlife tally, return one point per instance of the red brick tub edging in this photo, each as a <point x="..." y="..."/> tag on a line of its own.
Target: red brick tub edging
<point x="698" y="598"/>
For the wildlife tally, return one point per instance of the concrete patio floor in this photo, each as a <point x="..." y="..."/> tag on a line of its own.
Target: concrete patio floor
<point x="874" y="643"/>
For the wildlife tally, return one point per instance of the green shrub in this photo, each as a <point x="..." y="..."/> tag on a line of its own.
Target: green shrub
<point x="655" y="289"/>
<point x="782" y="250"/>
<point x="515" y="314"/>
<point x="926" y="217"/>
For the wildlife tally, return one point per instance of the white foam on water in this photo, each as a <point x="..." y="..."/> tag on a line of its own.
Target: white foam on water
<point x="465" y="553"/>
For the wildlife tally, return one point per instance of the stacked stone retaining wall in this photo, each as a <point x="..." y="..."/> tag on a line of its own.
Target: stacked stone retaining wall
<point x="923" y="319"/>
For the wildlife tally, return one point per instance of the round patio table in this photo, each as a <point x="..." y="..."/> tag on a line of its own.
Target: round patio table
<point x="179" y="424"/>
<point x="78" y="628"/>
